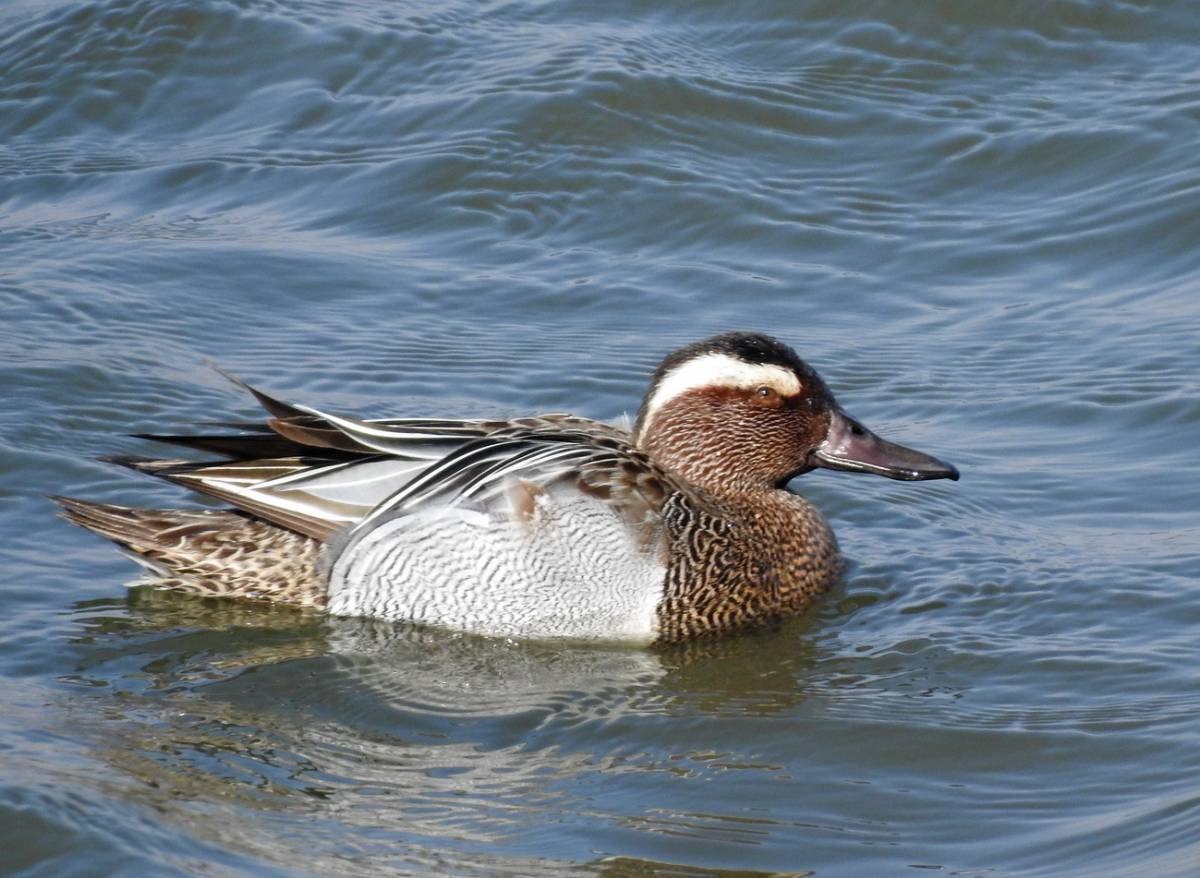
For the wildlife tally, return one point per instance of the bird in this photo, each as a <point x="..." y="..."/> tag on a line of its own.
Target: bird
<point x="554" y="526"/>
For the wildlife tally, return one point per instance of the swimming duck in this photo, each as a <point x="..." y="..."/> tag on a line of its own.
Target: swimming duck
<point x="548" y="526"/>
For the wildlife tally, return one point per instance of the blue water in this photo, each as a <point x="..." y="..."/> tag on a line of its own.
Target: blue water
<point x="980" y="221"/>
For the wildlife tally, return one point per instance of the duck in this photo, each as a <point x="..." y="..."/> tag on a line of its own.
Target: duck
<point x="679" y="528"/>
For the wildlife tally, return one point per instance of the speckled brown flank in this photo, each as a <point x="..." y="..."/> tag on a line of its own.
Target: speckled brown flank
<point x="212" y="553"/>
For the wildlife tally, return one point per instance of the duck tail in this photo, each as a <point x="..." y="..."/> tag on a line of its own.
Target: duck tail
<point x="218" y="553"/>
<point x="139" y="530"/>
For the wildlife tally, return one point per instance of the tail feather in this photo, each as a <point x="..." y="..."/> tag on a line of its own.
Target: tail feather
<point x="131" y="528"/>
<point x="214" y="553"/>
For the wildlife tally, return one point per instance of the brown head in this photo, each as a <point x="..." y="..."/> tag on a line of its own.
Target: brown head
<point x="741" y="411"/>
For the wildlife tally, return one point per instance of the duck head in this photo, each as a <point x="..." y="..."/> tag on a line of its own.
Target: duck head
<point x="742" y="411"/>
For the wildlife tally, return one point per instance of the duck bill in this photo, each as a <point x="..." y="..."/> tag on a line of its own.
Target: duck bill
<point x="851" y="447"/>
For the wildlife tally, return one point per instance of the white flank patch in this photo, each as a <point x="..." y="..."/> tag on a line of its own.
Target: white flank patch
<point x="719" y="370"/>
<point x="575" y="571"/>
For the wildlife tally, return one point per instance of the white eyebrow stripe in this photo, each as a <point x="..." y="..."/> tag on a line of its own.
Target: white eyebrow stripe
<point x="719" y="370"/>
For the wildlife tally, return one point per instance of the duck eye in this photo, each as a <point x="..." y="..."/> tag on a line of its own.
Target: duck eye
<point x="765" y="392"/>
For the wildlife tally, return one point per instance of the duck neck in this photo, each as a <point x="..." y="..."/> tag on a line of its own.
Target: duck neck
<point x="713" y="462"/>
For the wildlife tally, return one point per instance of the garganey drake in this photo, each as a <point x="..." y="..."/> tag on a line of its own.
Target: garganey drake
<point x="549" y="526"/>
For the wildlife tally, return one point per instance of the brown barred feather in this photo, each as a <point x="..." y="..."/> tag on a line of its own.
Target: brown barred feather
<point x="211" y="553"/>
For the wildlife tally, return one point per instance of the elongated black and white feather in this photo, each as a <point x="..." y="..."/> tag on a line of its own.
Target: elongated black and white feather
<point x="319" y="473"/>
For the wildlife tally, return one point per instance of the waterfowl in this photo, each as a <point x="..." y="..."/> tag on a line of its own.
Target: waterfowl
<point x="548" y="526"/>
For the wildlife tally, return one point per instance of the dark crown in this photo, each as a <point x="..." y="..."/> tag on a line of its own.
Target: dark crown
<point x="749" y="347"/>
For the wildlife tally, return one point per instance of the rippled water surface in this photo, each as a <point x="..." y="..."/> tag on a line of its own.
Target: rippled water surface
<point x="980" y="220"/>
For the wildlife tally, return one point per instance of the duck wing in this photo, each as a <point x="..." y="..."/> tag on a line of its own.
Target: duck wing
<point x="295" y="430"/>
<point x="319" y="473"/>
<point x="505" y="473"/>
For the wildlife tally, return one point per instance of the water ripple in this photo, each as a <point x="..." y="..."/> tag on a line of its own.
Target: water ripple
<point x="974" y="218"/>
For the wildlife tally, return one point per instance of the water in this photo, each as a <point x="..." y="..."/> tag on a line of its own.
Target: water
<point x="979" y="221"/>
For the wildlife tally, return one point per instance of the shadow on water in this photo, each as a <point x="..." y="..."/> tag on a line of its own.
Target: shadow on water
<point x="211" y="705"/>
<point x="157" y="640"/>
